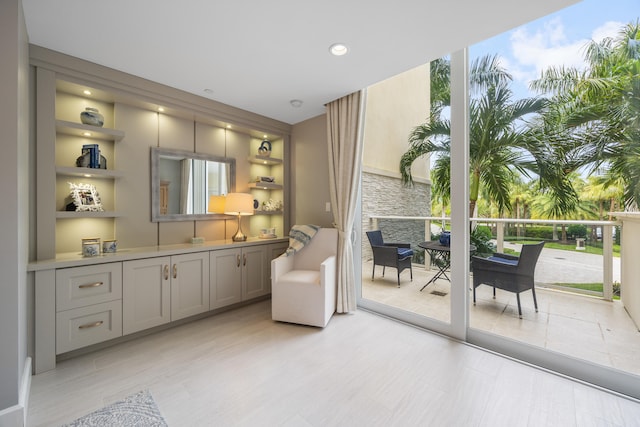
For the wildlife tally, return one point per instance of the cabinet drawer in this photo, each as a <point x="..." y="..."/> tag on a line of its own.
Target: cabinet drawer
<point x="82" y="286"/>
<point x="84" y="326"/>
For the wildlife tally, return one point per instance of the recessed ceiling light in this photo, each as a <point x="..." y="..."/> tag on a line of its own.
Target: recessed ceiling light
<point x="86" y="134"/>
<point x="296" y="103"/>
<point x="86" y="92"/>
<point x="338" y="49"/>
<point x="228" y="126"/>
<point x="160" y="109"/>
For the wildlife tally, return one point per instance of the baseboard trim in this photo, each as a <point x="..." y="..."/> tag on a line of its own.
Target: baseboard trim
<point x="16" y="415"/>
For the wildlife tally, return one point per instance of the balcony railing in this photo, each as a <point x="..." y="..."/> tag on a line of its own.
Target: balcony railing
<point x="499" y="224"/>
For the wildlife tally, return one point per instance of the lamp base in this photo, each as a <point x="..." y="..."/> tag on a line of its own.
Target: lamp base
<point x="239" y="237"/>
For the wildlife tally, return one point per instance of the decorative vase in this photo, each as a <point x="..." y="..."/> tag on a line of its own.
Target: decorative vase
<point x="91" y="116"/>
<point x="265" y="149"/>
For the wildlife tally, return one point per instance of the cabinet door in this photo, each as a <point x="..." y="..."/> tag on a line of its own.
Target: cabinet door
<point x="189" y="284"/>
<point x="254" y="272"/>
<point x="145" y="294"/>
<point x="225" y="277"/>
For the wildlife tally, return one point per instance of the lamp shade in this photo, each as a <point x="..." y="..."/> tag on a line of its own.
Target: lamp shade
<point x="238" y="204"/>
<point x="216" y="204"/>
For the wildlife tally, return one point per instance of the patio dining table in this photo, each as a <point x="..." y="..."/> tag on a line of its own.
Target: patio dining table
<point x="441" y="257"/>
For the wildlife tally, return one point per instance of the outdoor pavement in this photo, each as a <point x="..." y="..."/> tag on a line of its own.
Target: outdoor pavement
<point x="559" y="266"/>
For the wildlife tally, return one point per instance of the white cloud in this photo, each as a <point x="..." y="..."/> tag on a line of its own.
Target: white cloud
<point x="544" y="48"/>
<point x="608" y="29"/>
<point x="549" y="46"/>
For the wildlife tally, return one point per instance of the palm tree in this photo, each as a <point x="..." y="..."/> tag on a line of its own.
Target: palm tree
<point x="601" y="108"/>
<point x="498" y="134"/>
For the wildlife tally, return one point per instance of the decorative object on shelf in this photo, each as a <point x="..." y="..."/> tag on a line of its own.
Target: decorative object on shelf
<point x="270" y="179"/>
<point x="91" y="247"/>
<point x="85" y="198"/>
<point x="268" y="233"/>
<point x="91" y="116"/>
<point x="240" y="204"/>
<point x="109" y="246"/>
<point x="265" y="149"/>
<point x="91" y="157"/>
<point x="216" y="204"/>
<point x="256" y="204"/>
<point x="445" y="238"/>
<point x="272" y="205"/>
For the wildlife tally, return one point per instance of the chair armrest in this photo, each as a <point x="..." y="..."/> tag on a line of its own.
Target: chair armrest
<point x="386" y="255"/>
<point x="487" y="264"/>
<point x="328" y="271"/>
<point x="399" y="245"/>
<point x="506" y="256"/>
<point x="280" y="266"/>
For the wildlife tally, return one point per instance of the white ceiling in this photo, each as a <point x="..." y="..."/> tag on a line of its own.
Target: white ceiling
<point x="258" y="55"/>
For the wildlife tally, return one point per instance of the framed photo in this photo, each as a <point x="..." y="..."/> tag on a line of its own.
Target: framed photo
<point x="85" y="197"/>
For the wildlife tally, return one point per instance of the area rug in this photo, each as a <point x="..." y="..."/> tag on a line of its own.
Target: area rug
<point x="136" y="410"/>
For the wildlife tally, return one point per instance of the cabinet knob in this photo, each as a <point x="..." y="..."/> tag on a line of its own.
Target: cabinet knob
<point x="166" y="272"/>
<point x="175" y="271"/>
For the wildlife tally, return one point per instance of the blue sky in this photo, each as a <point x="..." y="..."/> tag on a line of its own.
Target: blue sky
<point x="557" y="39"/>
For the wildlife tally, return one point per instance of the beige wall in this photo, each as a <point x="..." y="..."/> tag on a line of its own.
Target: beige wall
<point x="394" y="107"/>
<point x="14" y="139"/>
<point x="310" y="172"/>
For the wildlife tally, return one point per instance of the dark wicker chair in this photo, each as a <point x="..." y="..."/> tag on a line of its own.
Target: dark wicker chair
<point x="508" y="272"/>
<point x="396" y="255"/>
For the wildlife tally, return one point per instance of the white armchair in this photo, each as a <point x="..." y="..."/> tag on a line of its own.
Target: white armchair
<point x="303" y="285"/>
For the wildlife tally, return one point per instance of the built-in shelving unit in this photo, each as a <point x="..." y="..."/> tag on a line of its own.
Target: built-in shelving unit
<point x="272" y="166"/>
<point x="88" y="172"/>
<point x="86" y="214"/>
<point x="266" y="186"/>
<point x="87" y="131"/>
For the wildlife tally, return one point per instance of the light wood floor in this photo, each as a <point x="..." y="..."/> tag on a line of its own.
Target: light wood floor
<point x="242" y="369"/>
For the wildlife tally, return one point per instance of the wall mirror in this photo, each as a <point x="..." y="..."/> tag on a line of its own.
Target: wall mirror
<point x="183" y="181"/>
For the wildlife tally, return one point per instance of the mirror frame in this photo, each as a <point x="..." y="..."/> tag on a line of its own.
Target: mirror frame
<point x="156" y="152"/>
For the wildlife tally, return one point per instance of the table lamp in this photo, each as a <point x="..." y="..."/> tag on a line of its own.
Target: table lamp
<point x="216" y="204"/>
<point x="240" y="204"/>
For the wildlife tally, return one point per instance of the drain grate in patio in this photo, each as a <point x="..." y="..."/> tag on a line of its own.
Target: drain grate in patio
<point x="438" y="293"/>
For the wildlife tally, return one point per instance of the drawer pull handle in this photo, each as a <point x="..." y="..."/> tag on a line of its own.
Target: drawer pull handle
<point x="166" y="272"/>
<point x="175" y="271"/>
<point x="91" y="325"/>
<point x="238" y="260"/>
<point x="91" y="285"/>
<point x="244" y="259"/>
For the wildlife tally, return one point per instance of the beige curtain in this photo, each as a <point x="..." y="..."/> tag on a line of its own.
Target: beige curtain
<point x="345" y="163"/>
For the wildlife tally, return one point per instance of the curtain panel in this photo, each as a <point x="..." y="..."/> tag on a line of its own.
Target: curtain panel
<point x="344" y="133"/>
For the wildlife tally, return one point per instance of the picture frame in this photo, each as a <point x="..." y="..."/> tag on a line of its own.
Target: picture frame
<point x="85" y="197"/>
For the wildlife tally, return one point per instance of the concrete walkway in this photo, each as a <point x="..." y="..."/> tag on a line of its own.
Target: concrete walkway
<point x="559" y="266"/>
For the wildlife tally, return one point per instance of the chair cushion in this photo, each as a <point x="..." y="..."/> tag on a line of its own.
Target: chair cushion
<point x="405" y="252"/>
<point x="300" y="277"/>
<point x="503" y="260"/>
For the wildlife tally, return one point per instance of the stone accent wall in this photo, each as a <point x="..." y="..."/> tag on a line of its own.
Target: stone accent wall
<point x="387" y="196"/>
